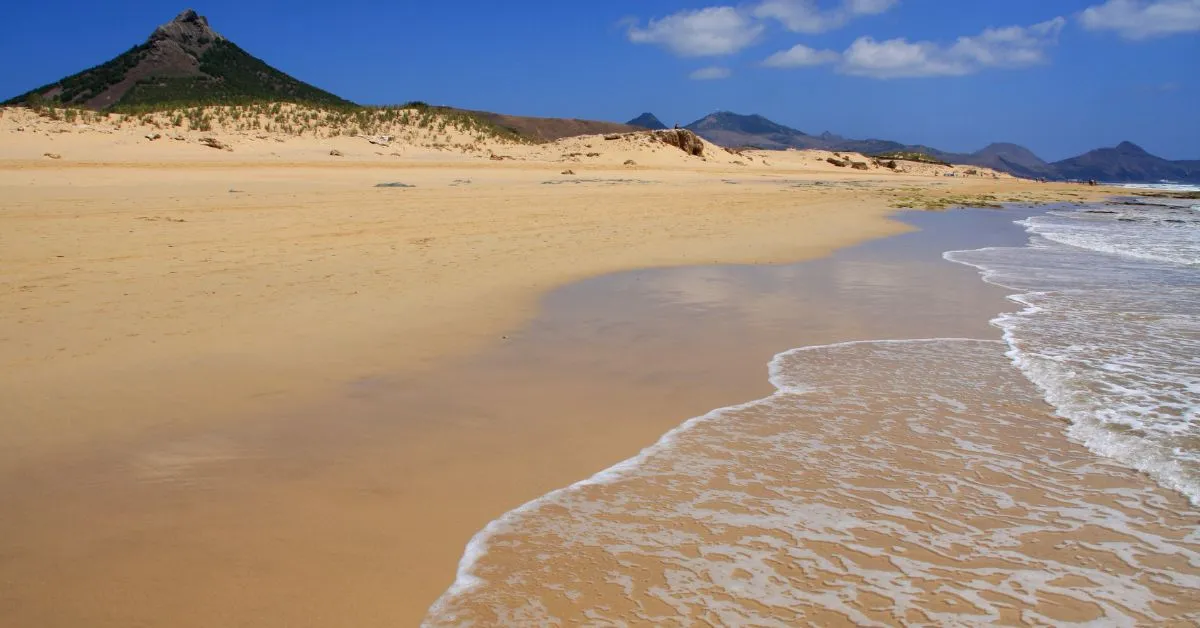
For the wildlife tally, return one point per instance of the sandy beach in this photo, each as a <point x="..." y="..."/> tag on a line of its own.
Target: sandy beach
<point x="217" y="366"/>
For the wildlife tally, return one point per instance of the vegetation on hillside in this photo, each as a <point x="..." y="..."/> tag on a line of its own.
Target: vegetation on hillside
<point x="78" y="88"/>
<point x="436" y="126"/>
<point x="227" y="75"/>
<point x="908" y="155"/>
<point x="230" y="76"/>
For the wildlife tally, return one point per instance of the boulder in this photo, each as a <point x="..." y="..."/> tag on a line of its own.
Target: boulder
<point x="568" y="172"/>
<point x="335" y="153"/>
<point x="630" y="162"/>
<point x="52" y="155"/>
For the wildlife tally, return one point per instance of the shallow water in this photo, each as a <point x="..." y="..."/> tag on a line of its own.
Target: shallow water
<point x="1110" y="330"/>
<point x="882" y="482"/>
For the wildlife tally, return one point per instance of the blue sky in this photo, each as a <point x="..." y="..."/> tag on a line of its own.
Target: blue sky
<point x="1060" y="77"/>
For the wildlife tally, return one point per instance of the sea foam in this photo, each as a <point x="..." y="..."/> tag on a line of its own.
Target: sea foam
<point x="1110" y="329"/>
<point x="882" y="481"/>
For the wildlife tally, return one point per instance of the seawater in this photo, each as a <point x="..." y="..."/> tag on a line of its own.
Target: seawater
<point x="1110" y="330"/>
<point x="908" y="481"/>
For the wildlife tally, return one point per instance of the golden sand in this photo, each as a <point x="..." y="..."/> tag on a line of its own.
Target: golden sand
<point x="166" y="303"/>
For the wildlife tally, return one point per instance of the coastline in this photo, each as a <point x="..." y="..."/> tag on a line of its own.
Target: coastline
<point x="268" y="399"/>
<point x="177" y="295"/>
<point x="634" y="543"/>
<point x="131" y="290"/>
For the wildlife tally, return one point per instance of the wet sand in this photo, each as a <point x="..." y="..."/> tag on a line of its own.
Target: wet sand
<point x="354" y="512"/>
<point x="147" y="296"/>
<point x="921" y="481"/>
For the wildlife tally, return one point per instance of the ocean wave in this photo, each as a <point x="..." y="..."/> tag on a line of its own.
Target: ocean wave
<point x="883" y="482"/>
<point x="1110" y="333"/>
<point x="1168" y="187"/>
<point x="1145" y="234"/>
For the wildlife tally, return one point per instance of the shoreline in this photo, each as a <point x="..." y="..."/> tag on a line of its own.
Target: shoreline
<point x="486" y="592"/>
<point x="323" y="307"/>
<point x="267" y="374"/>
<point x="249" y="266"/>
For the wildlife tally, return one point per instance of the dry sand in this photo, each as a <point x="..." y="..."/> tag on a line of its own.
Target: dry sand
<point x="161" y="292"/>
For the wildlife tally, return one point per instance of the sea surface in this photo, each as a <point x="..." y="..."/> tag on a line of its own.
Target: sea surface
<point x="1110" y="330"/>
<point x="1039" y="477"/>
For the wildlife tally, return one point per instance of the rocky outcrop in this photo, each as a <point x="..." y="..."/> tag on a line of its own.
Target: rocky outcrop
<point x="189" y="31"/>
<point x="682" y="139"/>
<point x="213" y="142"/>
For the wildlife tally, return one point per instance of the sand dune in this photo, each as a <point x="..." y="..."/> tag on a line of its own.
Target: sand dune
<point x="287" y="133"/>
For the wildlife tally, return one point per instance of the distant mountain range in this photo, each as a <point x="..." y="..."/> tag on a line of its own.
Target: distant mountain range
<point x="182" y="62"/>
<point x="1126" y="162"/>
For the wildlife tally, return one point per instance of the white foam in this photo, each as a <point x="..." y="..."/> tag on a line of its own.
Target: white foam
<point x="738" y="502"/>
<point x="476" y="548"/>
<point x="1170" y="187"/>
<point x="1110" y="331"/>
<point x="1103" y="333"/>
<point x="1157" y="241"/>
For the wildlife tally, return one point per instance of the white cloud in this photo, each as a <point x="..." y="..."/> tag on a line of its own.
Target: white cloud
<point x="713" y="73"/>
<point x="714" y="31"/>
<point x="806" y="16"/>
<point x="1139" y="19"/>
<point x="800" y="56"/>
<point x="896" y="58"/>
<point x="1011" y="47"/>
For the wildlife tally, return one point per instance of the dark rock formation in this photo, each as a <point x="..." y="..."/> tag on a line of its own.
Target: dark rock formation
<point x="682" y="139"/>
<point x="213" y="142"/>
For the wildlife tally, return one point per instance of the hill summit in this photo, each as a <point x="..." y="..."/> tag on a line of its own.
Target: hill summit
<point x="647" y="121"/>
<point x="183" y="62"/>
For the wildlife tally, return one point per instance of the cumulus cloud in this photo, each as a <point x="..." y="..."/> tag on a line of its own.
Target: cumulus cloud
<point x="1142" y="19"/>
<point x="806" y="16"/>
<point x="726" y="30"/>
<point x="1010" y="47"/>
<point x="801" y="56"/>
<point x="710" y="32"/>
<point x="713" y="73"/>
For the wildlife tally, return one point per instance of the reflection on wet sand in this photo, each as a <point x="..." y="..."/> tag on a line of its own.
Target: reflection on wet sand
<point x="883" y="483"/>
